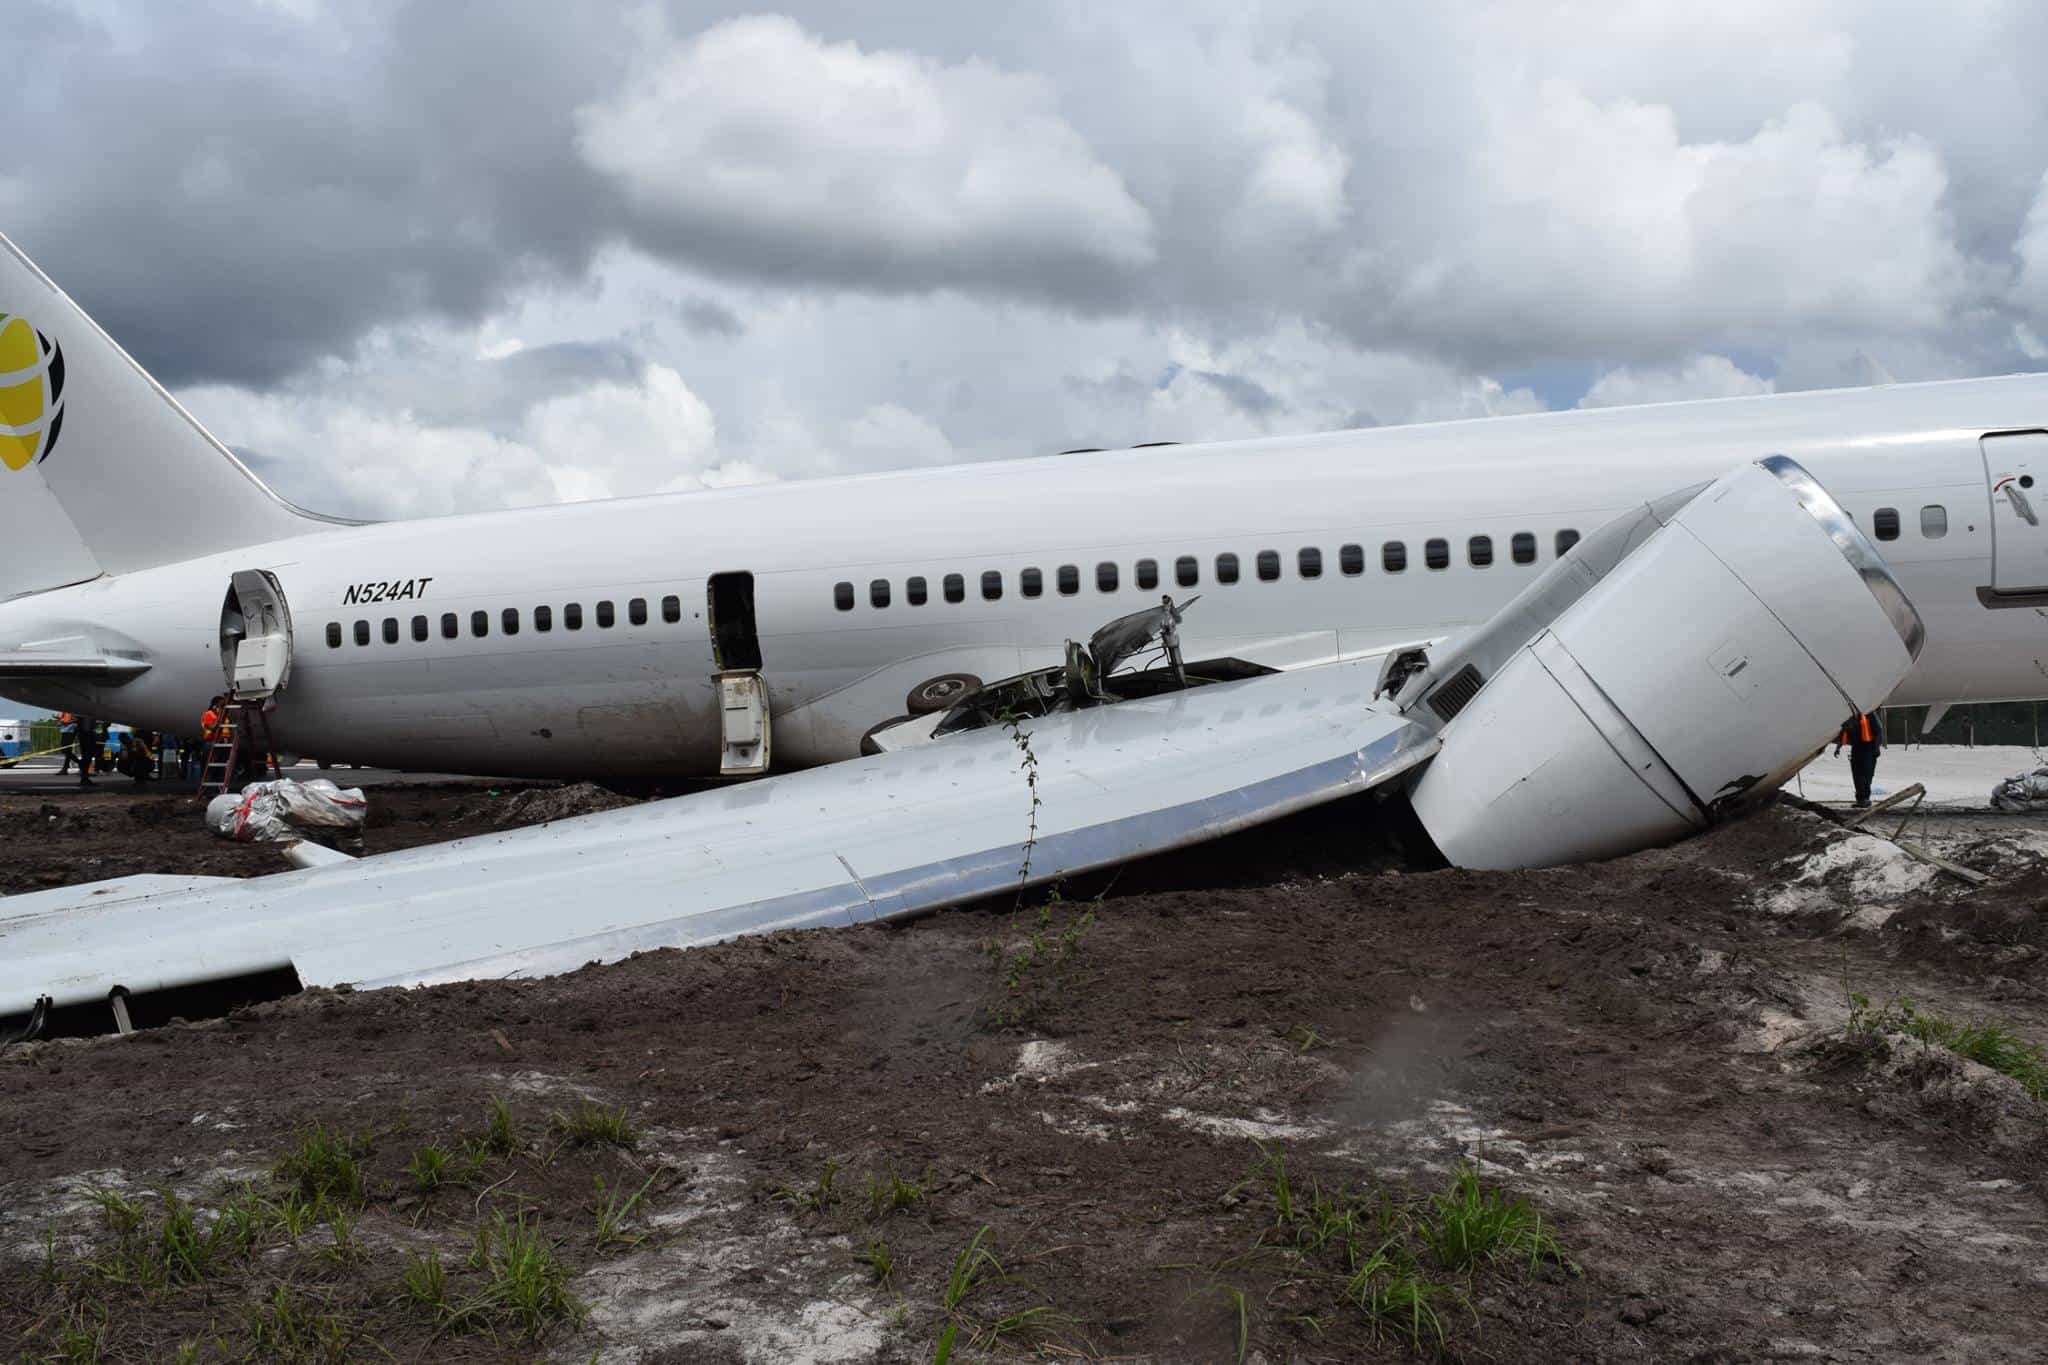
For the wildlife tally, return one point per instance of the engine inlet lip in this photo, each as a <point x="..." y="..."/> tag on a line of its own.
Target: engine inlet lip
<point x="1856" y="547"/>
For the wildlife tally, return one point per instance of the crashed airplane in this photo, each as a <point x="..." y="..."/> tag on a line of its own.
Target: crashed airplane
<point x="1555" y="637"/>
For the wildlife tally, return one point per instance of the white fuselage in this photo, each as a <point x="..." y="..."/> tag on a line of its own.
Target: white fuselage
<point x="637" y="698"/>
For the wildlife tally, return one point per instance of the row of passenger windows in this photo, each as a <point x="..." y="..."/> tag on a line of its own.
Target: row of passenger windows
<point x="1187" y="570"/>
<point x="606" y="616"/>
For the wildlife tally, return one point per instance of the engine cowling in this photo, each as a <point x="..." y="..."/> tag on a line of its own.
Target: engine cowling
<point x="1685" y="656"/>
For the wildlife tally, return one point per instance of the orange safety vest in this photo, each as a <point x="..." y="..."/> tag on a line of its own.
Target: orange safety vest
<point x="1863" y="730"/>
<point x="209" y="724"/>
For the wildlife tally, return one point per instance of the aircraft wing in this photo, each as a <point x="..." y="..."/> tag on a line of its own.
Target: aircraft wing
<point x="874" y="838"/>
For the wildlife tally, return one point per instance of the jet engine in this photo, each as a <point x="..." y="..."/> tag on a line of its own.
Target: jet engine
<point x="1690" y="652"/>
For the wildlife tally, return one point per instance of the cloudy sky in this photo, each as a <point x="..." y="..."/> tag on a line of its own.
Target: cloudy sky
<point x="422" y="257"/>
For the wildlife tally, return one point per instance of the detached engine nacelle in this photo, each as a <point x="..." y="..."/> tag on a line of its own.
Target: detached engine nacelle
<point x="1673" y="661"/>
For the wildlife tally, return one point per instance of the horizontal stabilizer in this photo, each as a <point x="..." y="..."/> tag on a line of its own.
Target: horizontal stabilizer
<point x="875" y="838"/>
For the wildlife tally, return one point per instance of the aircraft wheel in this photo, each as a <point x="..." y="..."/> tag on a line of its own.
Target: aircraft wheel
<point x="936" y="694"/>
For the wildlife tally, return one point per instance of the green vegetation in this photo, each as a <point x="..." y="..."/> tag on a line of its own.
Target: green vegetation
<point x="590" y="1124"/>
<point x="818" y="1197"/>
<point x="1025" y="984"/>
<point x="525" y="1283"/>
<point x="430" y="1168"/>
<point x="501" y="1135"/>
<point x="1986" y="1043"/>
<point x="326" y="1165"/>
<point x="880" y="1261"/>
<point x="612" y="1213"/>
<point x="1403" y="1266"/>
<point x="891" y="1193"/>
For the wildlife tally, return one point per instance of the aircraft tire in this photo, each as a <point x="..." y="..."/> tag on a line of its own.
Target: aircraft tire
<point x="936" y="694"/>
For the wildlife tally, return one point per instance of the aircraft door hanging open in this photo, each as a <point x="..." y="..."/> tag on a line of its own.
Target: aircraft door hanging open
<point x="255" y="635"/>
<point x="2016" y="469"/>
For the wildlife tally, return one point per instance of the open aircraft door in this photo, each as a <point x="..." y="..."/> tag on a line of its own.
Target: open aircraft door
<point x="2016" y="466"/>
<point x="255" y="636"/>
<point x="743" y="718"/>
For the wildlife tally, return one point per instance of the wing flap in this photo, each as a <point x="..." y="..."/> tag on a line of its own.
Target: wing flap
<point x="876" y="838"/>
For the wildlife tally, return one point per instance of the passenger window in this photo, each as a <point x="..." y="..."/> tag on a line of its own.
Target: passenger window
<point x="1933" y="521"/>
<point x="913" y="591"/>
<point x="544" y="618"/>
<point x="1885" y="521"/>
<point x="391" y="630"/>
<point x="1479" y="550"/>
<point x="671" y="609"/>
<point x="1186" y="571"/>
<point x="572" y="615"/>
<point x="451" y="628"/>
<point x="1269" y="565"/>
<point x="1436" y="553"/>
<point x="605" y="616"/>
<point x="1030" y="582"/>
<point x="1226" y="568"/>
<point x="362" y="632"/>
<point x="1070" y="580"/>
<point x="1148" y="574"/>
<point x="1394" y="556"/>
<point x="1310" y="562"/>
<point x="878" y="592"/>
<point x="991" y="585"/>
<point x="510" y="619"/>
<point x="636" y="610"/>
<point x="956" y="588"/>
<point x="419" y="628"/>
<point x="1565" y="540"/>
<point x="1524" y="547"/>
<point x="1105" y="577"/>
<point x="334" y="635"/>
<point x="842" y="596"/>
<point x="1351" y="559"/>
<point x="479" y="624"/>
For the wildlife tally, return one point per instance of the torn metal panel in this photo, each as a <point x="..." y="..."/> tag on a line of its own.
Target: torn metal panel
<point x="874" y="838"/>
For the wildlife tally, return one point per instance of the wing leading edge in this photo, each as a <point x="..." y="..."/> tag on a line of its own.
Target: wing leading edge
<point x="875" y="838"/>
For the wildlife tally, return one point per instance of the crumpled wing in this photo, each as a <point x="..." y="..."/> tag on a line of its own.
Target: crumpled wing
<point x="875" y="838"/>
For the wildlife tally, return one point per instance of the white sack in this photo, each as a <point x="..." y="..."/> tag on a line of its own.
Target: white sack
<point x="266" y="812"/>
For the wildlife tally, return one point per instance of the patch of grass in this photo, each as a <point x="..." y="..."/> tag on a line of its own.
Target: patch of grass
<point x="975" y="1266"/>
<point x="430" y="1168"/>
<point x="891" y="1193"/>
<point x="1400" y="1264"/>
<point x="325" y="1165"/>
<point x="1396" y="1300"/>
<point x="1468" y="1224"/>
<point x="612" y="1213"/>
<point x="346" y="1248"/>
<point x="174" y="1248"/>
<point x="501" y="1133"/>
<point x="880" y="1261"/>
<point x="1986" y="1043"/>
<point x="81" y="1337"/>
<point x="818" y="1197"/>
<point x="525" y="1283"/>
<point x="1305" y="1039"/>
<point x="591" y="1124"/>
<point x="293" y="1213"/>
<point x="290" y="1326"/>
<point x="425" y="1283"/>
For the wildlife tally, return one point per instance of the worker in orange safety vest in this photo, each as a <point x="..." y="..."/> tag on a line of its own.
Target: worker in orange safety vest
<point x="1864" y="734"/>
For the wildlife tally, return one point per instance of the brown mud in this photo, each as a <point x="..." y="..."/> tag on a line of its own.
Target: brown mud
<point x="1652" y="1052"/>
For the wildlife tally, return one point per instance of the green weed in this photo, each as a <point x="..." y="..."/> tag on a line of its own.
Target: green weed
<point x="1393" y="1298"/>
<point x="1986" y="1043"/>
<point x="818" y="1197"/>
<point x="1468" y="1224"/>
<point x="326" y="1165"/>
<point x="429" y="1168"/>
<point x="525" y="1283"/>
<point x="891" y="1193"/>
<point x="501" y="1134"/>
<point x="425" y="1282"/>
<point x="880" y="1261"/>
<point x="289" y="1327"/>
<point x="590" y="1124"/>
<point x="612" y="1213"/>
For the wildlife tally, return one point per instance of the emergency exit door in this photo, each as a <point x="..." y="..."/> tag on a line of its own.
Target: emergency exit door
<point x="255" y="635"/>
<point x="2016" y="466"/>
<point x="743" y="718"/>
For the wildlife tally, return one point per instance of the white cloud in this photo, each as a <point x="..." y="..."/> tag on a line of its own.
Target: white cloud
<point x="764" y="147"/>
<point x="2030" y="290"/>
<point x="1706" y="376"/>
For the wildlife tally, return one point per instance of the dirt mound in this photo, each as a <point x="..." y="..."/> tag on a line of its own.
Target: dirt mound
<point x="541" y="805"/>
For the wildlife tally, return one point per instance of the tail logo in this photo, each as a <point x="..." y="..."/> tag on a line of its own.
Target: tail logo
<point x="31" y="393"/>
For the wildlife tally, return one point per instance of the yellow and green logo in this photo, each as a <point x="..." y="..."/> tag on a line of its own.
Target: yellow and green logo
<point x="31" y="393"/>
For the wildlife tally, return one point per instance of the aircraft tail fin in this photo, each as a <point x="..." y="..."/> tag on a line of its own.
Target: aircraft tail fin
<point x="101" y="471"/>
